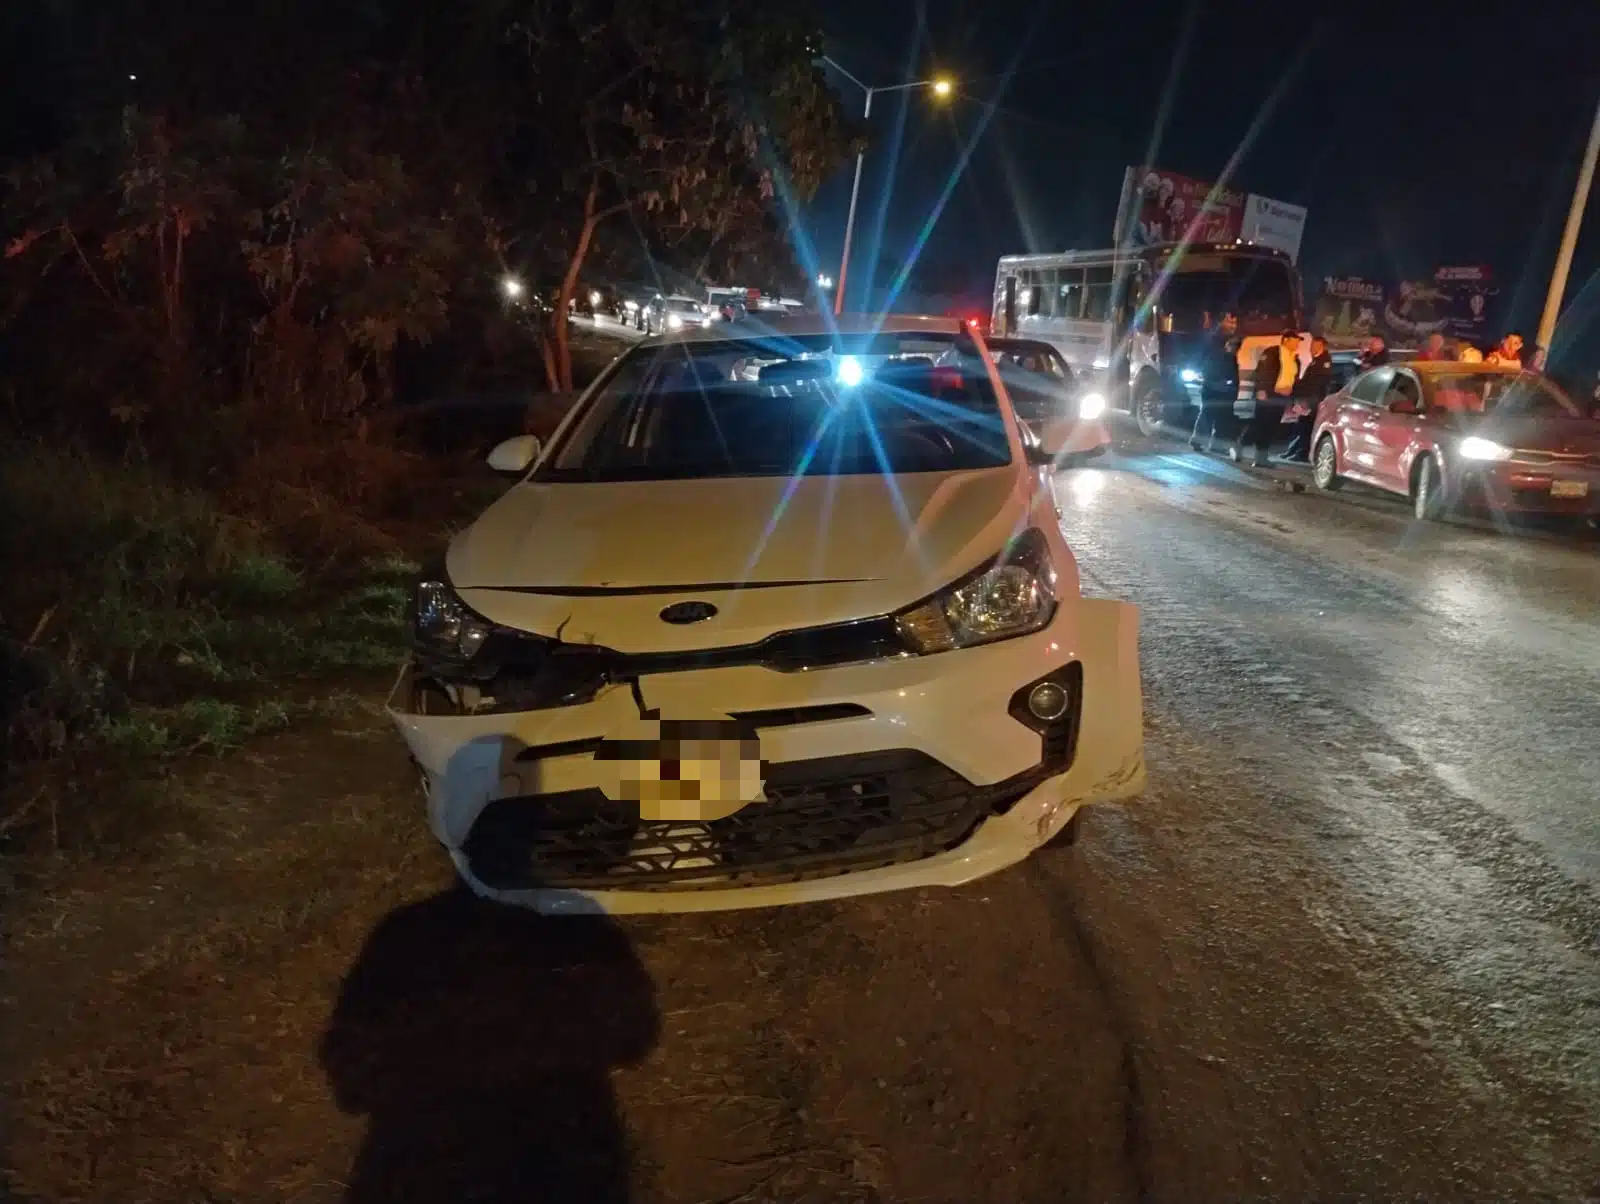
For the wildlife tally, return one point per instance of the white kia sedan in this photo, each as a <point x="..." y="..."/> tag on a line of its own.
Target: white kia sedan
<point x="775" y="616"/>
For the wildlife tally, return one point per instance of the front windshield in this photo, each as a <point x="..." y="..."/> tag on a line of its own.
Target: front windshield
<point x="1202" y="287"/>
<point x="680" y="306"/>
<point x="1505" y="394"/>
<point x="778" y="406"/>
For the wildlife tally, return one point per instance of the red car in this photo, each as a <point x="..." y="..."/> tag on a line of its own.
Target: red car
<point x="1450" y="434"/>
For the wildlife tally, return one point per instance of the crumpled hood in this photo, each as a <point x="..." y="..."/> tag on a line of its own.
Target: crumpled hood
<point x="599" y="562"/>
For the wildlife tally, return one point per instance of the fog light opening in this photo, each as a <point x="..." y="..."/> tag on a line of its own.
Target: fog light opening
<point x="1048" y="701"/>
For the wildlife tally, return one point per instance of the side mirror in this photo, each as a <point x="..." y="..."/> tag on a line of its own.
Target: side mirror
<point x="1038" y="455"/>
<point x="515" y="455"/>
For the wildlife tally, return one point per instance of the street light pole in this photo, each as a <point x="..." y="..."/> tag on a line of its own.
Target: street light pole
<point x="941" y="87"/>
<point x="850" y="219"/>
<point x="1569" y="242"/>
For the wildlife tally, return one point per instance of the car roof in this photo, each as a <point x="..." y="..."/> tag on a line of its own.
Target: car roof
<point x="1008" y="342"/>
<point x="1434" y="367"/>
<point x="802" y="324"/>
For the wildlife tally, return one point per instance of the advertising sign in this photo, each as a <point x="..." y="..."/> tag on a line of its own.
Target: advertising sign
<point x="1161" y="206"/>
<point x="1456" y="303"/>
<point x="1275" y="224"/>
<point x="1349" y="309"/>
<point x="1469" y="291"/>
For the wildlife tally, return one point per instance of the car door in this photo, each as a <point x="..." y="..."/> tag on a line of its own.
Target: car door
<point x="1356" y="421"/>
<point x="1395" y="428"/>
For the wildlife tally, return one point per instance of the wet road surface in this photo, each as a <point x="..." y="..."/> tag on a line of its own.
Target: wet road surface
<point x="1345" y="947"/>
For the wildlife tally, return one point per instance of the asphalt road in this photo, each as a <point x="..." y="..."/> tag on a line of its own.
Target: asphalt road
<point x="1347" y="946"/>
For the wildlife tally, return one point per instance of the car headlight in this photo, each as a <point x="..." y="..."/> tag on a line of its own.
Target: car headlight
<point x="1474" y="448"/>
<point x="674" y="322"/>
<point x="1091" y="406"/>
<point x="443" y="629"/>
<point x="1016" y="595"/>
<point x="1190" y="377"/>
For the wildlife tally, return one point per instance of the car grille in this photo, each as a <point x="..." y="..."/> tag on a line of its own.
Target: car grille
<point x="1524" y="456"/>
<point x="821" y="817"/>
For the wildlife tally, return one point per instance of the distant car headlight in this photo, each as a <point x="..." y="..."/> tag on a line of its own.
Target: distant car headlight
<point x="674" y="322"/>
<point x="1014" y="596"/>
<point x="443" y="630"/>
<point x="1474" y="448"/>
<point x="631" y="306"/>
<point x="1190" y="377"/>
<point x="1091" y="406"/>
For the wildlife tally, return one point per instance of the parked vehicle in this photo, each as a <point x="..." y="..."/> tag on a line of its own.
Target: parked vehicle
<point x="773" y="618"/>
<point x="1137" y="320"/>
<point x="1452" y="435"/>
<point x="1068" y="415"/>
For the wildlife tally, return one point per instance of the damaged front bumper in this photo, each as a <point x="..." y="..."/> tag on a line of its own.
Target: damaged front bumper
<point x="881" y="775"/>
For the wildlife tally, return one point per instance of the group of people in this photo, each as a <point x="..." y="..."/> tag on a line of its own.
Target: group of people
<point x="1284" y="388"/>
<point x="1281" y="384"/>
<point x="1507" y="352"/>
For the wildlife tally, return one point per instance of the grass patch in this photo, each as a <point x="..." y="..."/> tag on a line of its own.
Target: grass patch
<point x="148" y="620"/>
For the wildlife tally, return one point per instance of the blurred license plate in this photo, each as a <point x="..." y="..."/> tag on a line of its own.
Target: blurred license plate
<point x="1569" y="488"/>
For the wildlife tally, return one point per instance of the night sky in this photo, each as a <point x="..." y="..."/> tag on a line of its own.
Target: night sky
<point x="1414" y="133"/>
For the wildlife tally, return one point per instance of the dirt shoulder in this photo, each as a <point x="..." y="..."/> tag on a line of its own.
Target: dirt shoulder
<point x="288" y="1002"/>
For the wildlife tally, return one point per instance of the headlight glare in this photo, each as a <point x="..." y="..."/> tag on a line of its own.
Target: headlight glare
<point x="1091" y="406"/>
<point x="1474" y="448"/>
<point x="1014" y="596"/>
<point x="1189" y="376"/>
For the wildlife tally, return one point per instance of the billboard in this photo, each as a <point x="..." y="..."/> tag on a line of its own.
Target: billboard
<point x="1162" y="206"/>
<point x="1454" y="302"/>
<point x="1349" y="309"/>
<point x="1275" y="224"/>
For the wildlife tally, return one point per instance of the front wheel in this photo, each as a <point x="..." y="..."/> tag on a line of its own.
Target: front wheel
<point x="1147" y="409"/>
<point x="1427" y="494"/>
<point x="1325" y="466"/>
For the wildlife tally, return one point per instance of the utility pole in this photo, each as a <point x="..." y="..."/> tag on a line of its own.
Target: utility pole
<point x="1569" y="241"/>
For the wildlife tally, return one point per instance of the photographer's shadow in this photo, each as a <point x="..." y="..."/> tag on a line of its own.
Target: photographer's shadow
<point x="479" y="1040"/>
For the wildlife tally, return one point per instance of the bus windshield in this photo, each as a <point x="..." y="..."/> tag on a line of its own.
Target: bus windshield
<point x="1203" y="287"/>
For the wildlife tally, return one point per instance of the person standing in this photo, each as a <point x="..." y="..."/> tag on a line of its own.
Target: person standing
<point x="1219" y="384"/>
<point x="1508" y="351"/>
<point x="1433" y="348"/>
<point x="1315" y="384"/>
<point x="1277" y="373"/>
<point x="1376" y="354"/>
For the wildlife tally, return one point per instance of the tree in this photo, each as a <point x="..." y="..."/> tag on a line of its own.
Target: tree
<point x="670" y="123"/>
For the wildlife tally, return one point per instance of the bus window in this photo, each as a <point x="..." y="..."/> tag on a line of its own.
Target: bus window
<point x="1069" y="293"/>
<point x="1031" y="293"/>
<point x="1097" y="295"/>
<point x="1046" y="286"/>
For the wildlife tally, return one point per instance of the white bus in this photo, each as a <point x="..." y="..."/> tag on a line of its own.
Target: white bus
<point x="1137" y="318"/>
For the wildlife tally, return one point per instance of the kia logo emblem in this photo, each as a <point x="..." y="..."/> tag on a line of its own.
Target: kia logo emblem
<point x="684" y="613"/>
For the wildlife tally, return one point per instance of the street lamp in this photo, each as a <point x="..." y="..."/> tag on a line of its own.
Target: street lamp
<point x="511" y="287"/>
<point x="942" y="87"/>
